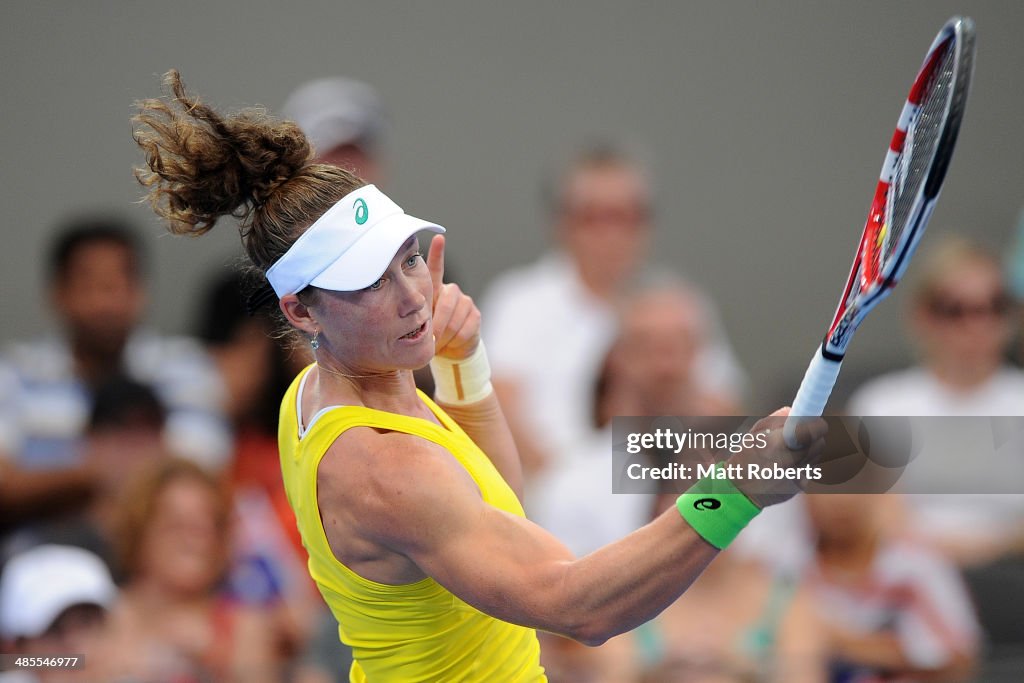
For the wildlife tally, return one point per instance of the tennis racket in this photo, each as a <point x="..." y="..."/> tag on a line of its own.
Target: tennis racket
<point x="915" y="166"/>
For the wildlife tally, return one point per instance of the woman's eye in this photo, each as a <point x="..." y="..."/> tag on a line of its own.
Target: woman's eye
<point x="376" y="285"/>
<point x="411" y="261"/>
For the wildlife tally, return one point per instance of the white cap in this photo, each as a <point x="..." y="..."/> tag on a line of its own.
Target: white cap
<point x="38" y="584"/>
<point x="336" y="111"/>
<point x="349" y="247"/>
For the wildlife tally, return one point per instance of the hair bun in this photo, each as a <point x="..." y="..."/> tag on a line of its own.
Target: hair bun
<point x="201" y="165"/>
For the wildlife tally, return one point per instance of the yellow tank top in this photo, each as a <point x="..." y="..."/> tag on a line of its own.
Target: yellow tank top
<point x="410" y="633"/>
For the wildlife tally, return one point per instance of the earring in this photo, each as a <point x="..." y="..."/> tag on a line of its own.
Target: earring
<point x="314" y="342"/>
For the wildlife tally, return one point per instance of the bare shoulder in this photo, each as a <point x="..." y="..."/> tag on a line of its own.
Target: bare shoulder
<point x="391" y="488"/>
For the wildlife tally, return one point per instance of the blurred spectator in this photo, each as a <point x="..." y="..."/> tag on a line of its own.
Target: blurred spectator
<point x="343" y="119"/>
<point x="125" y="434"/>
<point x="893" y="609"/>
<point x="960" y="322"/>
<point x="95" y="285"/>
<point x="256" y="369"/>
<point x="666" y="327"/>
<point x="54" y="601"/>
<point x="548" y="325"/>
<point x="739" y="621"/>
<point x="1015" y="281"/>
<point x="650" y="370"/>
<point x="174" y="547"/>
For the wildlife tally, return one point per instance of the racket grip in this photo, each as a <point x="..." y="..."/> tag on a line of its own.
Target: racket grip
<point x="813" y="394"/>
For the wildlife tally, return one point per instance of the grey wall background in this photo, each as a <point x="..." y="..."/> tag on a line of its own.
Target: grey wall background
<point x="765" y="122"/>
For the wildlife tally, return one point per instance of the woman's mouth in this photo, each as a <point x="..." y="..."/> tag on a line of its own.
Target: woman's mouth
<point x="416" y="334"/>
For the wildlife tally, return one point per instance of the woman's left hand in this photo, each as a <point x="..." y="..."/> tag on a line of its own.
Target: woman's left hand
<point x="456" y="319"/>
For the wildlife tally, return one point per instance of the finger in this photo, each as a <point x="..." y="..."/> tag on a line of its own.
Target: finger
<point x="444" y="304"/>
<point x="454" y="333"/>
<point x="809" y="430"/>
<point x="454" y="307"/>
<point x="468" y="336"/>
<point x="805" y="430"/>
<point x="435" y="264"/>
<point x="770" y="422"/>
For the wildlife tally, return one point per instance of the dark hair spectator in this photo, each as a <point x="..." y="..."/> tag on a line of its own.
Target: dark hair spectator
<point x="121" y="403"/>
<point x="255" y="365"/>
<point x="84" y="231"/>
<point x="49" y="384"/>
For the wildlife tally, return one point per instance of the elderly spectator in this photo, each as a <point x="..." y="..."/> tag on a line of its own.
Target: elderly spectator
<point x="651" y="369"/>
<point x="548" y="325"/>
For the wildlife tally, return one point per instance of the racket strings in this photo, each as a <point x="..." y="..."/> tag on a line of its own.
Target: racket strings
<point x="911" y="171"/>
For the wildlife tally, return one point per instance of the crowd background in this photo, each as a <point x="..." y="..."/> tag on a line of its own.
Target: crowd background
<point x="765" y="126"/>
<point x="670" y="194"/>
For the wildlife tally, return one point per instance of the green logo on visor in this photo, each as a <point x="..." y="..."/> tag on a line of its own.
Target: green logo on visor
<point x="362" y="212"/>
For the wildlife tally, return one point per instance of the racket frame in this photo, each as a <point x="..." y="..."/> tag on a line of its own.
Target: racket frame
<point x="865" y="289"/>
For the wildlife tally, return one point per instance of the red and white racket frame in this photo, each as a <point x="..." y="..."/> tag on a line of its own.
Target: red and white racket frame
<point x="868" y="282"/>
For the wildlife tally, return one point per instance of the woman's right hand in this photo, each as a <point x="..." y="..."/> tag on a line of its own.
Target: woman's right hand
<point x="810" y="433"/>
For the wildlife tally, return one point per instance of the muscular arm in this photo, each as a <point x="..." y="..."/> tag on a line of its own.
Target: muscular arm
<point x="414" y="500"/>
<point x="538" y="583"/>
<point x="399" y="507"/>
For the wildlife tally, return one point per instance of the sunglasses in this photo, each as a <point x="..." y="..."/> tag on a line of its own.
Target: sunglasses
<point x="950" y="309"/>
<point x="602" y="215"/>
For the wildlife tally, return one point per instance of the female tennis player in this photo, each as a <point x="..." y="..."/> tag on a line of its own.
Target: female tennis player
<point x="410" y="512"/>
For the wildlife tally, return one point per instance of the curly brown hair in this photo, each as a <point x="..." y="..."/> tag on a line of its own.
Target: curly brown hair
<point x="201" y="165"/>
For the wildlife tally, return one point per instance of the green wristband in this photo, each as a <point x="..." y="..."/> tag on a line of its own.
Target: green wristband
<point x="716" y="510"/>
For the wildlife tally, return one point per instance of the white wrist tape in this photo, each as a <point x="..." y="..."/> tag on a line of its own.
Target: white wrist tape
<point x="464" y="381"/>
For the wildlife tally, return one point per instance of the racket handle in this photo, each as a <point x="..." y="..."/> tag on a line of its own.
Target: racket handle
<point x="813" y="394"/>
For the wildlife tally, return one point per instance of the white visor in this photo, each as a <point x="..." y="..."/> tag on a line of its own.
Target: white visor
<point x="349" y="247"/>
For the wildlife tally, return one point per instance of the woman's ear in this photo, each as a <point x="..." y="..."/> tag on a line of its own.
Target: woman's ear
<point x="298" y="314"/>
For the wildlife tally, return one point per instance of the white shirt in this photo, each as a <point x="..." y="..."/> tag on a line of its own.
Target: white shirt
<point x="45" y="407"/>
<point x="543" y="328"/>
<point x="962" y="456"/>
<point x="917" y="392"/>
